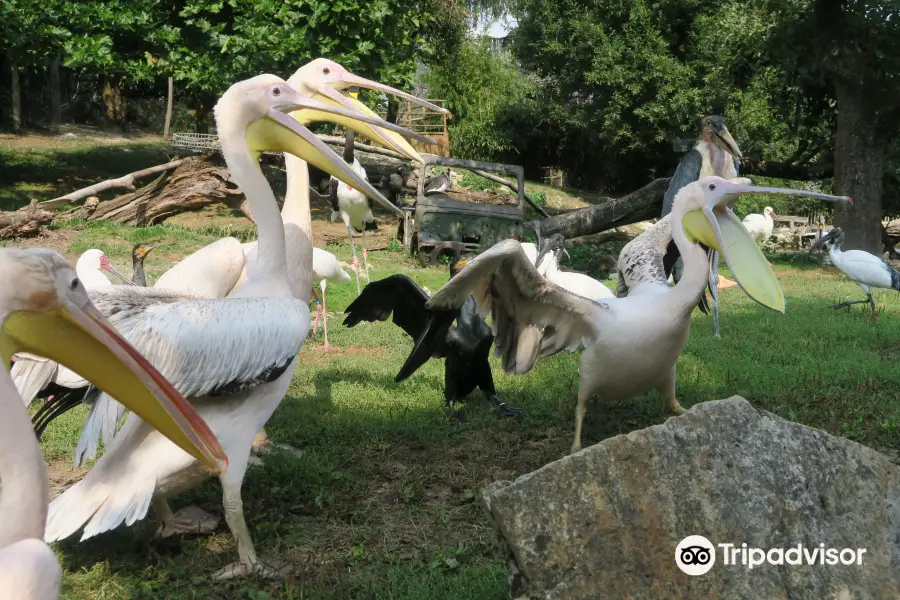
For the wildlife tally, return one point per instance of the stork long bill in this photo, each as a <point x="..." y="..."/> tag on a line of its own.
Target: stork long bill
<point x="718" y="227"/>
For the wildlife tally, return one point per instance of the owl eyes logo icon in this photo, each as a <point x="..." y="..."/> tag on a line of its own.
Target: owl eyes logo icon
<point x="695" y="555"/>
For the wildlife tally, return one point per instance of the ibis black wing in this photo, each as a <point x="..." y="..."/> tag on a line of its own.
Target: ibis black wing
<point x="398" y="295"/>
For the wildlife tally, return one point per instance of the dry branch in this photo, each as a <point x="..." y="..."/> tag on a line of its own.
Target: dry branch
<point x="24" y="222"/>
<point x="124" y="182"/>
<point x="640" y="205"/>
<point x="195" y="183"/>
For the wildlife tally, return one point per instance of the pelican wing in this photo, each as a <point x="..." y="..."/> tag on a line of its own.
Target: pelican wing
<point x="210" y="272"/>
<point x="531" y="316"/>
<point x="642" y="260"/>
<point x="203" y="346"/>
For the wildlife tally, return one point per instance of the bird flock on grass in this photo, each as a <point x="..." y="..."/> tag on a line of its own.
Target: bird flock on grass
<point x="197" y="363"/>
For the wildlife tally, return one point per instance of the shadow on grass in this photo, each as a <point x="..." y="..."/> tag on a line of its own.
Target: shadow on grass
<point x="48" y="173"/>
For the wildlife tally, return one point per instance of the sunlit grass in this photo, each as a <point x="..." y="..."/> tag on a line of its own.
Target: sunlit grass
<point x="383" y="503"/>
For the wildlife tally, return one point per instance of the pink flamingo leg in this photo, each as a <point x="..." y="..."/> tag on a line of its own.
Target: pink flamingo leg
<point x="315" y="330"/>
<point x="325" y="317"/>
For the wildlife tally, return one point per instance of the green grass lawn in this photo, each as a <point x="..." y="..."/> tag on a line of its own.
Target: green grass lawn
<point x="383" y="502"/>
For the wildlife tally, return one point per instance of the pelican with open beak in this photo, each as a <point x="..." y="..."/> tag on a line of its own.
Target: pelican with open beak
<point x="324" y="80"/>
<point x="47" y="312"/>
<point x="631" y="343"/>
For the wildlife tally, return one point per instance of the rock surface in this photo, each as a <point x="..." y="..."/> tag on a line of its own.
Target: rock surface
<point x="605" y="522"/>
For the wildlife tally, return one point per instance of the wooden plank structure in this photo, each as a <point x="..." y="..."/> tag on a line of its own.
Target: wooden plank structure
<point x="427" y="122"/>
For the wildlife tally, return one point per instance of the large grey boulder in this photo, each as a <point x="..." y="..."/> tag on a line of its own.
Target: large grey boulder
<point x="605" y="523"/>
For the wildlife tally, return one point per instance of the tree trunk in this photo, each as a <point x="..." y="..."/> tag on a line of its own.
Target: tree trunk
<point x="16" y="97"/>
<point x="640" y="205"/>
<point x="168" y="109"/>
<point x="204" y="107"/>
<point x="858" y="171"/>
<point x="55" y="95"/>
<point x="114" y="100"/>
<point x="393" y="110"/>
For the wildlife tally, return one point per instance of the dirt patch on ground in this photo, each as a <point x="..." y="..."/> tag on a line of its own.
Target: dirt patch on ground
<point x="61" y="474"/>
<point x="68" y="133"/>
<point x="54" y="239"/>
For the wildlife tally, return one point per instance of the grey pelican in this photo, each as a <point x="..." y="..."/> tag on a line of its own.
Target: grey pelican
<point x="631" y="344"/>
<point x="865" y="269"/>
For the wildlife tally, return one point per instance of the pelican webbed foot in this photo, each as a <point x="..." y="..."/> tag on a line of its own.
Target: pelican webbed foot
<point x="265" y="567"/>
<point x="188" y="520"/>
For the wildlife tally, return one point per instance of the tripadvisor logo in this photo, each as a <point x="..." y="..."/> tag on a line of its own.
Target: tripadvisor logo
<point x="696" y="555"/>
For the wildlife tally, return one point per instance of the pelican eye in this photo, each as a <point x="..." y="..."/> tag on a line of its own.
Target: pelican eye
<point x="276" y="91"/>
<point x="73" y="285"/>
<point x="326" y="71"/>
<point x="712" y="186"/>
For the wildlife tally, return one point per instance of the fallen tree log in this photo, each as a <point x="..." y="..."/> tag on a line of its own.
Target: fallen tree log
<point x="601" y="238"/>
<point x="640" y="205"/>
<point x="195" y="183"/>
<point x="24" y="222"/>
<point x="124" y="182"/>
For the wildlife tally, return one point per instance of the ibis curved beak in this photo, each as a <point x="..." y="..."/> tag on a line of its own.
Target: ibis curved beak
<point x="718" y="227"/>
<point x="279" y="132"/>
<point x="82" y="340"/>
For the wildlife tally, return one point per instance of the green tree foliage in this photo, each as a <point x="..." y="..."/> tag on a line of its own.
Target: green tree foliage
<point x="480" y="87"/>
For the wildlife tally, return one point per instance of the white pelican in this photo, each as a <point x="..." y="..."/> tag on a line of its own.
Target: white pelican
<point x="760" y="226"/>
<point x="48" y="312"/>
<point x="216" y="270"/>
<point x="326" y="267"/>
<point x="213" y="271"/>
<point x="865" y="269"/>
<point x="577" y="283"/>
<point x="233" y="357"/>
<point x="631" y="344"/>
<point x="352" y="207"/>
<point x="36" y="376"/>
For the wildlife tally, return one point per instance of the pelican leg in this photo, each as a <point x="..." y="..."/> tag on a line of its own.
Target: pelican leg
<point x="249" y="563"/>
<point x="714" y="290"/>
<point x="580" y="411"/>
<point x="325" y="315"/>
<point x="355" y="258"/>
<point x="365" y="255"/>
<point x="667" y="393"/>
<point x="189" y="519"/>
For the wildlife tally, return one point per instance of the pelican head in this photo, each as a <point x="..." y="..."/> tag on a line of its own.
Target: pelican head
<point x="714" y="130"/>
<point x="96" y="260"/>
<point x="324" y="80"/>
<point x="832" y="238"/>
<point x="709" y="219"/>
<point x="555" y="243"/>
<point x="48" y="313"/>
<point x="256" y="108"/>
